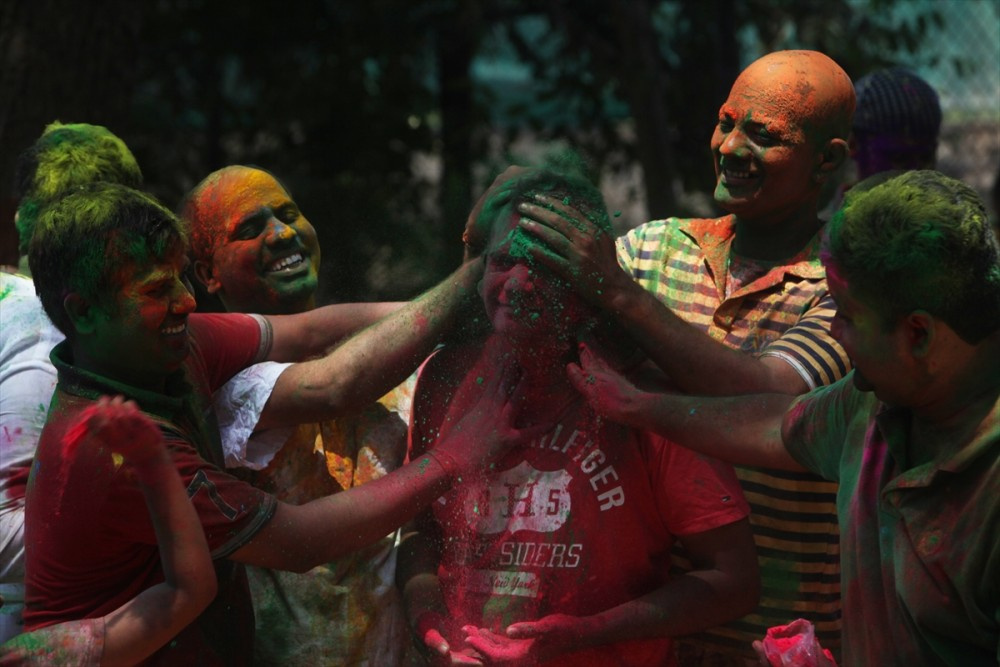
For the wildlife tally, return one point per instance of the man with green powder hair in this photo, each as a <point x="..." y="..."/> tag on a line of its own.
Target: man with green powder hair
<point x="912" y="434"/>
<point x="109" y="264"/>
<point x="64" y="157"/>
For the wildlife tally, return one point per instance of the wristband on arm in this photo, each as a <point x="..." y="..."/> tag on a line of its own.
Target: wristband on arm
<point x="447" y="463"/>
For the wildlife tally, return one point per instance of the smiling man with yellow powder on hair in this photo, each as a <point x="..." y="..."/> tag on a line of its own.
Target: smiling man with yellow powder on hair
<point x="740" y="304"/>
<point x="255" y="250"/>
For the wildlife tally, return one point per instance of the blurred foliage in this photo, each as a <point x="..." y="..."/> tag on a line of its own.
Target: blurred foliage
<point x="369" y="111"/>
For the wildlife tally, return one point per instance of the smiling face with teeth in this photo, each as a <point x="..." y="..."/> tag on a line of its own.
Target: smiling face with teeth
<point x="259" y="253"/>
<point x="141" y="336"/>
<point x="772" y="142"/>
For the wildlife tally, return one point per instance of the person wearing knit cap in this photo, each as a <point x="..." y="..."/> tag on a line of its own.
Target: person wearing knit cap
<point x="896" y="122"/>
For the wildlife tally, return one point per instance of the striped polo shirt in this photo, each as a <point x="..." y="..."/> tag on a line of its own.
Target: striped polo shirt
<point x="784" y="312"/>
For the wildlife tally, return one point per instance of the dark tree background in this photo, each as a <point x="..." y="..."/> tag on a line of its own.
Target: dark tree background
<point x="371" y="113"/>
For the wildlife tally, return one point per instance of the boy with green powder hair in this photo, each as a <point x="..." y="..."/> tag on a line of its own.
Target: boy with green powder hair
<point x="64" y="157"/>
<point x="104" y="235"/>
<point x="139" y="338"/>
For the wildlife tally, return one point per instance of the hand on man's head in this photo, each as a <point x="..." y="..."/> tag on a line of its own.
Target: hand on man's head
<point x="476" y="234"/>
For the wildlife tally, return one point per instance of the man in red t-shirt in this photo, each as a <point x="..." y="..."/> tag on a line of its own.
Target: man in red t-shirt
<point x="108" y="263"/>
<point x="559" y="552"/>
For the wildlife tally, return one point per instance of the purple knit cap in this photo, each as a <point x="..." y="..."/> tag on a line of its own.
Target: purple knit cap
<point x="898" y="103"/>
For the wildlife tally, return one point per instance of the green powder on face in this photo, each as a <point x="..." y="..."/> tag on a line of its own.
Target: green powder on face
<point x="519" y="244"/>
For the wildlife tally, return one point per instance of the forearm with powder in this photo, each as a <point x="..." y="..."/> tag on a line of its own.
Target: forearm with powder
<point x="300" y="537"/>
<point x="187" y="565"/>
<point x="743" y="430"/>
<point x="373" y="361"/>
<point x="313" y="333"/>
<point x="696" y="363"/>
<point x="148" y="621"/>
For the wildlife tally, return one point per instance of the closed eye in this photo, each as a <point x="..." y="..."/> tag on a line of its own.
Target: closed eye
<point x="158" y="289"/>
<point x="764" y="136"/>
<point x="288" y="213"/>
<point x="251" y="227"/>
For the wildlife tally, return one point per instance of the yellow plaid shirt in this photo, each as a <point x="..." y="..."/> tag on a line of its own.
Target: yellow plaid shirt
<point x="783" y="313"/>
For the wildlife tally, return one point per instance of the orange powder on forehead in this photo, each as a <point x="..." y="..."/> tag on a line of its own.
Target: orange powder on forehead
<point x="212" y="201"/>
<point x="806" y="88"/>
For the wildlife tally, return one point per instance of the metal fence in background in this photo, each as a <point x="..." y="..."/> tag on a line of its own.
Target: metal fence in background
<point x="966" y="75"/>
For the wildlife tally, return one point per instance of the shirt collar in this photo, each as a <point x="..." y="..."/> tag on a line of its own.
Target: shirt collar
<point x="894" y="425"/>
<point x="81" y="382"/>
<point x="715" y="237"/>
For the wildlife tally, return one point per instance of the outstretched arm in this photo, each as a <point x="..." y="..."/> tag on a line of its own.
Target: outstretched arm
<point x="744" y="430"/>
<point x="371" y="362"/>
<point x="301" y="336"/>
<point x="300" y="537"/>
<point x="724" y="585"/>
<point x="697" y="364"/>
<point x="317" y="331"/>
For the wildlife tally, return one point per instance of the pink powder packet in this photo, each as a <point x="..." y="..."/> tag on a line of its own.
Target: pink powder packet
<point x="795" y="645"/>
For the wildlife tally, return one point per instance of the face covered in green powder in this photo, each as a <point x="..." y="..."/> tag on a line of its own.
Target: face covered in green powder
<point x="265" y="254"/>
<point x="524" y="301"/>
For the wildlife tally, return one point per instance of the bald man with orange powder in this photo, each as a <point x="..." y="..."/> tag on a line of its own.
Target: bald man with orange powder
<point x="740" y="304"/>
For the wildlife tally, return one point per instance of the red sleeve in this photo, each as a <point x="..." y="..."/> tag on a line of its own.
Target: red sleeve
<point x="695" y="492"/>
<point x="230" y="510"/>
<point x="228" y="343"/>
<point x="93" y="545"/>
